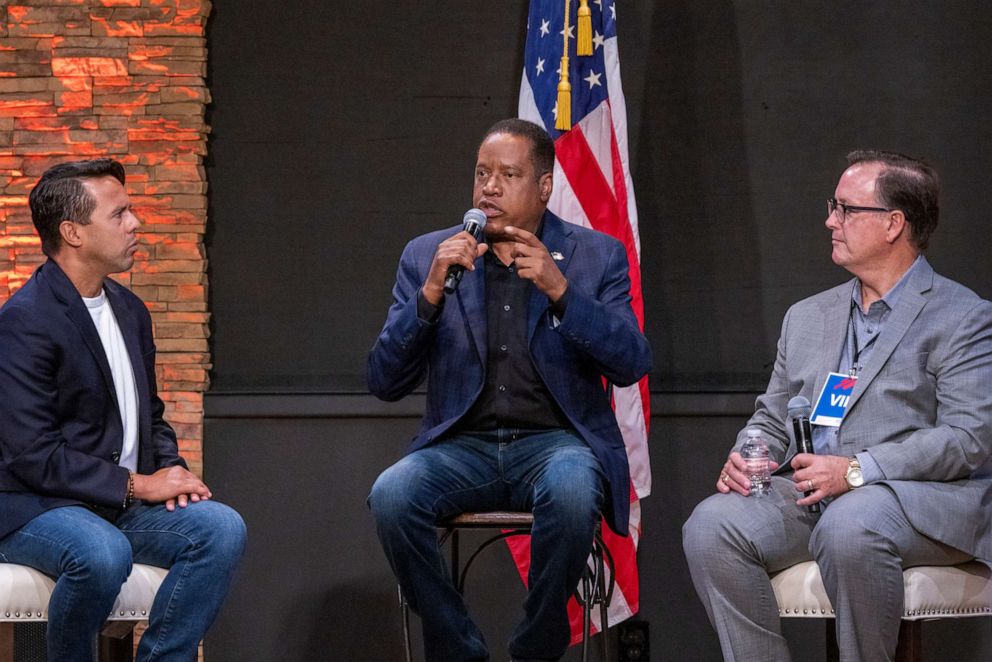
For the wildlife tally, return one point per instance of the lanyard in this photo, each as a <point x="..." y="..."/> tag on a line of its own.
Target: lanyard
<point x="853" y="346"/>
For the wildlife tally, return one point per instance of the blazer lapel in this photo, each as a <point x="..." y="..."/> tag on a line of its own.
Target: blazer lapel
<point x="471" y="295"/>
<point x="77" y="313"/>
<point x="908" y="308"/>
<point x="836" y="315"/>
<point x="556" y="237"/>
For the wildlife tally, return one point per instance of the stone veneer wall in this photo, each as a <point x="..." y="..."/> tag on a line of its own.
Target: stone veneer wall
<point x="125" y="79"/>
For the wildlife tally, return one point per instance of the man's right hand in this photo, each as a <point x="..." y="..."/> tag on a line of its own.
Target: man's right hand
<point x="733" y="475"/>
<point x="168" y="483"/>
<point x="460" y="249"/>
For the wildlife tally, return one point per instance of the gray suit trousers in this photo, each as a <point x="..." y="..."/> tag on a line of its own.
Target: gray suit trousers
<point x="861" y="541"/>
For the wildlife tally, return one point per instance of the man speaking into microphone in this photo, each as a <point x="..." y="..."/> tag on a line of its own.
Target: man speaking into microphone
<point x="897" y="365"/>
<point x="517" y="416"/>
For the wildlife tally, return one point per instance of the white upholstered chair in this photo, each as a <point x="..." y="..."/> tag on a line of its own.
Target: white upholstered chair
<point x="932" y="592"/>
<point x="25" y="592"/>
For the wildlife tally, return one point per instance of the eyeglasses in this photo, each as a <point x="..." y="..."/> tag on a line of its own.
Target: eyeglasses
<point x="843" y="210"/>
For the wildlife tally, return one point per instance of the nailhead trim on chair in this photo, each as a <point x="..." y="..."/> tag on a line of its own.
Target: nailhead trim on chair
<point x="137" y="592"/>
<point x="949" y="612"/>
<point x="810" y="589"/>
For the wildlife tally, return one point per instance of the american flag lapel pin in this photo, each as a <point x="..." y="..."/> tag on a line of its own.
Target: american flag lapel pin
<point x="556" y="256"/>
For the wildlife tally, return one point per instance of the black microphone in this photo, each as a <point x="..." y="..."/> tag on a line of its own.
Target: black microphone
<point x="799" y="411"/>
<point x="474" y="222"/>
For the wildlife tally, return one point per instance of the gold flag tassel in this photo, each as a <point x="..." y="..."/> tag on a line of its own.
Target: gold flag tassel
<point x="584" y="44"/>
<point x="563" y="122"/>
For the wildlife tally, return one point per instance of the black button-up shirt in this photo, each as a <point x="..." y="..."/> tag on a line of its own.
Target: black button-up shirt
<point x="514" y="395"/>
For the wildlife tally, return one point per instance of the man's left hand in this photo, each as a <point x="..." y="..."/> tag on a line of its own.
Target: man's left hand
<point x="183" y="500"/>
<point x="826" y="474"/>
<point x="534" y="263"/>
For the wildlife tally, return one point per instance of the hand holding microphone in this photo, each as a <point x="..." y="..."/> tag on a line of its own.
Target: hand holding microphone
<point x="454" y="255"/>
<point x="799" y="411"/>
<point x="474" y="223"/>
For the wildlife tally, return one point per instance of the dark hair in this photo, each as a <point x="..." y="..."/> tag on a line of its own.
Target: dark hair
<point x="60" y="196"/>
<point x="906" y="184"/>
<point x="542" y="147"/>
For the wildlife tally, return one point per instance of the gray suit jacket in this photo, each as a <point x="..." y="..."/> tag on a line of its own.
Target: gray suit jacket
<point x="923" y="403"/>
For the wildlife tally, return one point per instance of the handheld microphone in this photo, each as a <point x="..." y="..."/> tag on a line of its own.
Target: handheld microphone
<point x="799" y="411"/>
<point x="474" y="222"/>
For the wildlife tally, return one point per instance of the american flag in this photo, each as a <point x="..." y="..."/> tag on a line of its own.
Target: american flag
<point x="593" y="187"/>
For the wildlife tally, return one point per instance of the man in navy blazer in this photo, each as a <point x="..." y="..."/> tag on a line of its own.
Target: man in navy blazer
<point x="518" y="416"/>
<point x="90" y="475"/>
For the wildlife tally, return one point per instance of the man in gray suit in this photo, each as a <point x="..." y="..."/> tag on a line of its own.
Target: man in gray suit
<point x="904" y="477"/>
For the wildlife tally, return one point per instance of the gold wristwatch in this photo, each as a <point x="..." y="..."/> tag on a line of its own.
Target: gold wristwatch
<point x="854" y="476"/>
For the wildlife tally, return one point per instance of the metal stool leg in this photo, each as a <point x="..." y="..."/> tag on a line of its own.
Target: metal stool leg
<point x="604" y="615"/>
<point x="593" y="591"/>
<point x="455" y="560"/>
<point x="405" y="611"/>
<point x="594" y="587"/>
<point x="588" y="588"/>
<point x="603" y="561"/>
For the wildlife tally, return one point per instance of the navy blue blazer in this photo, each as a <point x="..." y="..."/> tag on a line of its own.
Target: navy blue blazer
<point x="597" y="337"/>
<point x="60" y="426"/>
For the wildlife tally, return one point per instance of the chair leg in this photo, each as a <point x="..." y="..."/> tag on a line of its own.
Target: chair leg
<point x="604" y="611"/>
<point x="117" y="642"/>
<point x="6" y="642"/>
<point x="405" y="613"/>
<point x="833" y="653"/>
<point x="587" y="600"/>
<point x="910" y="646"/>
<point x="456" y="561"/>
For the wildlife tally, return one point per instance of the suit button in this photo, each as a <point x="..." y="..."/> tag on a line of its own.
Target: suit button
<point x="115" y="456"/>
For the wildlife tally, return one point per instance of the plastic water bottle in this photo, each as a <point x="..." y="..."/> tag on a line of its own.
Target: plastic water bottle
<point x="755" y="454"/>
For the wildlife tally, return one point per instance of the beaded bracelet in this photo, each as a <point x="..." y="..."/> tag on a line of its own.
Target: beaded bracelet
<point x="129" y="497"/>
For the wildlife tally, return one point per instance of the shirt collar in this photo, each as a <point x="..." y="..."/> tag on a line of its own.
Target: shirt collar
<point x="891" y="297"/>
<point x="97" y="301"/>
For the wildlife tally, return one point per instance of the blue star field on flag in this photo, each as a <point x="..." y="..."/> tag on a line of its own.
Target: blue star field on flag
<point x="542" y="57"/>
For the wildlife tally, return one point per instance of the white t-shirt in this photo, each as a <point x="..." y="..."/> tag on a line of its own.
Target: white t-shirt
<point x="122" y="372"/>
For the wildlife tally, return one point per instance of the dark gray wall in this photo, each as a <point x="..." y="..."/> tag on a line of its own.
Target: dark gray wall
<point x="339" y="135"/>
<point x="340" y="132"/>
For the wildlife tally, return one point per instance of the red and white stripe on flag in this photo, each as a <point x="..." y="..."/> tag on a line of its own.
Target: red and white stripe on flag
<point x="593" y="188"/>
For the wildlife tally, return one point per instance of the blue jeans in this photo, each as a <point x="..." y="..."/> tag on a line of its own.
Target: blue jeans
<point x="91" y="557"/>
<point x="554" y="474"/>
